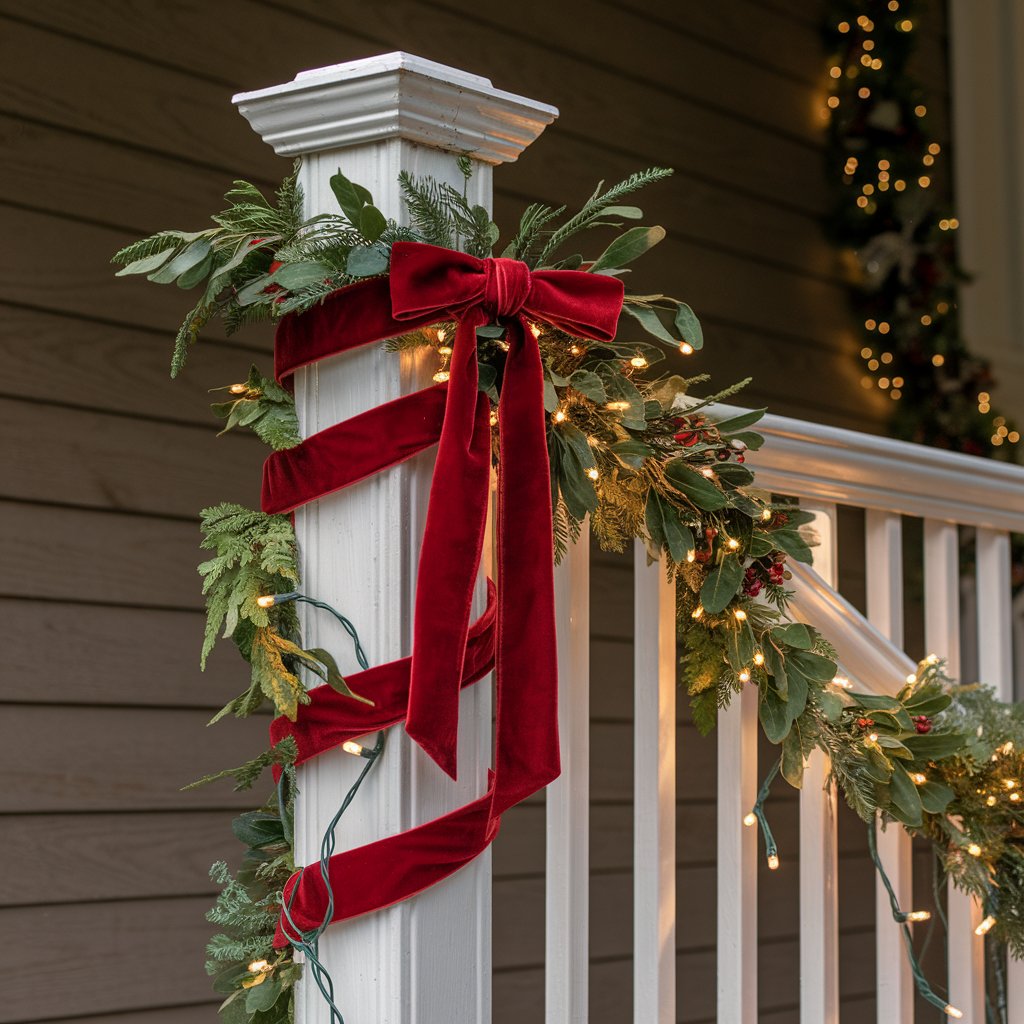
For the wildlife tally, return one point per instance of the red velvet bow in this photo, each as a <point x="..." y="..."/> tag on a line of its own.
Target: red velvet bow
<point x="428" y="284"/>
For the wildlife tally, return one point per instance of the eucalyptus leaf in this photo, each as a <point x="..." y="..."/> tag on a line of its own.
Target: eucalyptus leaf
<point x="935" y="797"/>
<point x="367" y="261"/>
<point x="184" y="261"/>
<point x="627" y="247"/>
<point x="372" y="223"/>
<point x="701" y="491"/>
<point x="906" y="801"/>
<point x="721" y="585"/>
<point x="590" y="385"/>
<point x="793" y="634"/>
<point x="736" y="423"/>
<point x="351" y="197"/>
<point x="650" y="321"/>
<point x="688" y="326"/>
<point x="775" y="717"/>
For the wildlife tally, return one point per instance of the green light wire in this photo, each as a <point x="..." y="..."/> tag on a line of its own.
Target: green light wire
<point x="924" y="989"/>
<point x="771" y="848"/>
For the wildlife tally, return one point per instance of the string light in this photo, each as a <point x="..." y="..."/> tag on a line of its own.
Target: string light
<point x="843" y="26"/>
<point x="697" y="612"/>
<point x="773" y="862"/>
<point x="686" y="348"/>
<point x="266" y="601"/>
<point x="766" y="514"/>
<point x="938" y="359"/>
<point x="445" y="350"/>
<point x="535" y="330"/>
<point x="750" y="818"/>
<point x="617" y="406"/>
<point x="441" y="334"/>
<point x="920" y="109"/>
<point x="708" y="472"/>
<point x="733" y="543"/>
<point x="990" y="801"/>
<point x="559" y="416"/>
<point x="863" y="92"/>
<point x="575" y="350"/>
<point x="494" y="419"/>
<point x="593" y="473"/>
<point x="441" y="376"/>
<point x="842" y="682"/>
<point x="259" y="967"/>
<point x="238" y="389"/>
<point x="951" y="1011"/>
<point x="986" y="926"/>
<point x="974" y="849"/>
<point x="920" y="778"/>
<point x="638" y="361"/>
<point x="916" y="916"/>
<point x="351" y="747"/>
<point x="691" y="555"/>
<point x="740" y="615"/>
<point x="924" y="181"/>
<point x="744" y="675"/>
<point x="758" y="658"/>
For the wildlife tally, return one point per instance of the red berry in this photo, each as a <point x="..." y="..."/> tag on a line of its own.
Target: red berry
<point x="740" y="458"/>
<point x="923" y="724"/>
<point x="864" y="723"/>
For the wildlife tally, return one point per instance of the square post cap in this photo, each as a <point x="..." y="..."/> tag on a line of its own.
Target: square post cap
<point x="394" y="95"/>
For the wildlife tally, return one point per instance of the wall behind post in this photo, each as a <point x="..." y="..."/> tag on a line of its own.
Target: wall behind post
<point x="116" y="121"/>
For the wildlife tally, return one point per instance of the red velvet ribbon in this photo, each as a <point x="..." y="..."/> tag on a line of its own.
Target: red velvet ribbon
<point x="428" y="284"/>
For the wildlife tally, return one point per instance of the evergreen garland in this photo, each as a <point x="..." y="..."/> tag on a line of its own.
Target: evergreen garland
<point x="641" y="457"/>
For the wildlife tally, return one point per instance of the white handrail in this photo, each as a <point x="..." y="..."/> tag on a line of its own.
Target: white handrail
<point x="865" y="656"/>
<point x="851" y="468"/>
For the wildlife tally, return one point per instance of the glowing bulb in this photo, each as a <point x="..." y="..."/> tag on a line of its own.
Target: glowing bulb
<point x="758" y="658"/>
<point x="535" y="330"/>
<point x="1014" y="797"/>
<point x="920" y="778"/>
<point x="974" y="850"/>
<point x="265" y="601"/>
<point x="1007" y="747"/>
<point x="575" y="350"/>
<point x="911" y="678"/>
<point x="842" y="682"/>
<point x="593" y="473"/>
<point x="873" y="737"/>
<point x="441" y="376"/>
<point x="259" y="966"/>
<point x="938" y="359"/>
<point x="951" y="1011"/>
<point x="773" y="862"/>
<point x="986" y="926"/>
<point x="697" y="612"/>
<point x="905" y="25"/>
<point x="745" y="675"/>
<point x="440" y="334"/>
<point x="638" y="361"/>
<point x="990" y="801"/>
<point x="238" y="389"/>
<point x="833" y="102"/>
<point x="749" y="819"/>
<point x="766" y="514"/>
<point x="1010" y="783"/>
<point x="924" y="181"/>
<point x="708" y="472"/>
<point x="351" y="747"/>
<point x="691" y="555"/>
<point x="843" y="26"/>
<point x="733" y="543"/>
<point x="919" y="915"/>
<point x="494" y="419"/>
<point x="740" y="614"/>
<point x="863" y="92"/>
<point x="835" y="71"/>
<point x="920" y="110"/>
<point x="617" y="406"/>
<point x="686" y="348"/>
<point x="445" y="350"/>
<point x="559" y="416"/>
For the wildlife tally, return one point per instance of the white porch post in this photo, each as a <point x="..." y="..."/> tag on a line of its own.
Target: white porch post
<point x="428" y="959"/>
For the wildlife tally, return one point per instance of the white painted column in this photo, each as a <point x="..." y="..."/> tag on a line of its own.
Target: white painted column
<point x="895" y="997"/>
<point x="819" y="863"/>
<point x="567" y="869"/>
<point x="426" y="959"/>
<point x="654" y="792"/>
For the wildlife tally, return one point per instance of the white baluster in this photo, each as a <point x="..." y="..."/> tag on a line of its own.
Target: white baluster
<point x="737" y="860"/>
<point x="895" y="991"/>
<point x="654" y="782"/>
<point x="995" y="668"/>
<point x="819" y="909"/>
<point x="566" y="977"/>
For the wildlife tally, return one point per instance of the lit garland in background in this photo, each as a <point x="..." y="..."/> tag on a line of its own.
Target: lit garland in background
<point x="892" y="214"/>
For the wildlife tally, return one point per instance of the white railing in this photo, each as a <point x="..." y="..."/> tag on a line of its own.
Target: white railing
<point x="823" y="467"/>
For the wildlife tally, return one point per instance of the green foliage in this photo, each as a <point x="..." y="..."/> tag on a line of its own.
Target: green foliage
<point x="443" y="216"/>
<point x="283" y="754"/>
<point x="264" y="407"/>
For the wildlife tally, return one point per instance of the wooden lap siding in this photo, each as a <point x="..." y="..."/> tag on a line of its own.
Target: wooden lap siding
<point x="115" y="121"/>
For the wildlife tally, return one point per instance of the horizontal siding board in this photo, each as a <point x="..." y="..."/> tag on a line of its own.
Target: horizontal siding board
<point x="82" y="759"/>
<point x="90" y="364"/>
<point x="63" y="653"/>
<point x="69" y="456"/>
<point x="79" y="858"/>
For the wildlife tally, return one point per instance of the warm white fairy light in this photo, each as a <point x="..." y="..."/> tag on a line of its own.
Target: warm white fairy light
<point x="638" y="362"/>
<point x="766" y="514"/>
<point x="749" y="818"/>
<point x="441" y="376"/>
<point x="259" y="966"/>
<point x="740" y="615"/>
<point x="990" y="801"/>
<point x="697" y="612"/>
<point x="951" y="1011"/>
<point x="842" y="682"/>
<point x="744" y="676"/>
<point x="535" y="330"/>
<point x="773" y="862"/>
<point x="873" y="737"/>
<point x="445" y="350"/>
<point x="758" y="658"/>
<point x="708" y="472"/>
<point x="919" y="915"/>
<point x="686" y="348"/>
<point x="691" y="555"/>
<point x="351" y="747"/>
<point x="238" y="389"/>
<point x="617" y="406"/>
<point x="593" y="473"/>
<point x="986" y="926"/>
<point x="265" y="601"/>
<point x="920" y="778"/>
<point x="733" y="543"/>
<point x="559" y="416"/>
<point x="974" y="849"/>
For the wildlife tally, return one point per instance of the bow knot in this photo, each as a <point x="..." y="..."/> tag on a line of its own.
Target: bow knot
<point x="506" y="287"/>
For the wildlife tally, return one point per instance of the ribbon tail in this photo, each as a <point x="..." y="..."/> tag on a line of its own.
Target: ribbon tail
<point x="450" y="557"/>
<point x="526" y="746"/>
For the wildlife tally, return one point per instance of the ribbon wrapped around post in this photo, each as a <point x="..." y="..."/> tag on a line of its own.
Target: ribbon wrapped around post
<point x="517" y="632"/>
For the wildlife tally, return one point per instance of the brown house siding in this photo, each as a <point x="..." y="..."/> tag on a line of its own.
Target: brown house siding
<point x="116" y="120"/>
